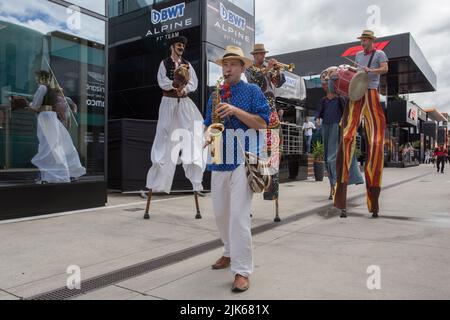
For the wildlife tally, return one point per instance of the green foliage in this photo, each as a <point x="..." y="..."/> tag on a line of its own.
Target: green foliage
<point x="318" y="151"/>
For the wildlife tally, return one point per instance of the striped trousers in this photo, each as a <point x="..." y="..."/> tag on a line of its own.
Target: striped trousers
<point x="370" y="108"/>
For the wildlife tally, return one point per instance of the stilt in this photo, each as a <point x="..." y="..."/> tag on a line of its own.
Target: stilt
<point x="198" y="216"/>
<point x="149" y="198"/>
<point x="332" y="192"/>
<point x="277" y="214"/>
<point x="344" y="213"/>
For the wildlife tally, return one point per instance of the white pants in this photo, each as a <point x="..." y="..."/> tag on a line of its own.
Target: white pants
<point x="57" y="157"/>
<point x="174" y="115"/>
<point x="232" y="198"/>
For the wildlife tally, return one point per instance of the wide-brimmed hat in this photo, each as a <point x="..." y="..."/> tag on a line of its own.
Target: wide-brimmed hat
<point x="181" y="39"/>
<point x="259" y="48"/>
<point x="369" y="34"/>
<point x="233" y="52"/>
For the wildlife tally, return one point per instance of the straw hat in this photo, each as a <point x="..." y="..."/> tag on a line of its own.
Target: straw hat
<point x="233" y="52"/>
<point x="259" y="48"/>
<point x="367" y="34"/>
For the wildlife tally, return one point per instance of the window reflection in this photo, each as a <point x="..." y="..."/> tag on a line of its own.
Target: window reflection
<point x="120" y="7"/>
<point x="246" y="5"/>
<point x="35" y="36"/>
<point x="97" y="6"/>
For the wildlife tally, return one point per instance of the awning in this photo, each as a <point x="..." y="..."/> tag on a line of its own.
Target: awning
<point x="409" y="71"/>
<point x="435" y="115"/>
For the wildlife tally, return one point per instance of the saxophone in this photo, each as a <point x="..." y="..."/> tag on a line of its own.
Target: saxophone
<point x="214" y="138"/>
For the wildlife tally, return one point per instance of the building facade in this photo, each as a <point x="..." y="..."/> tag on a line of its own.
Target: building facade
<point x="66" y="39"/>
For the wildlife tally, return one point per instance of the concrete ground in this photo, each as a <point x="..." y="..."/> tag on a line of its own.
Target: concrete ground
<point x="318" y="256"/>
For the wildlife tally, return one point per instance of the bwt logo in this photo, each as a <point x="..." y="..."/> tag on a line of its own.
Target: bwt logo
<point x="290" y="82"/>
<point x="167" y="14"/>
<point x="232" y="18"/>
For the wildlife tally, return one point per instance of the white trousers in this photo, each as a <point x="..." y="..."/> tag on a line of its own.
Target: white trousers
<point x="57" y="157"/>
<point x="232" y="198"/>
<point x="173" y="116"/>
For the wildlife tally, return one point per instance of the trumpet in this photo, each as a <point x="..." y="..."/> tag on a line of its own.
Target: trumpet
<point x="280" y="66"/>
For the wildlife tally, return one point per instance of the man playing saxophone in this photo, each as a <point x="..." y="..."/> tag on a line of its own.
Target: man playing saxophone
<point x="243" y="108"/>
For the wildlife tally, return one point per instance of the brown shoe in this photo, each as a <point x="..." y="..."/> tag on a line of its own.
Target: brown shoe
<point x="240" y="284"/>
<point x="222" y="263"/>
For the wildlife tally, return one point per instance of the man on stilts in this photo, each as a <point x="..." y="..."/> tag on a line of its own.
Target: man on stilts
<point x="375" y="63"/>
<point x="268" y="76"/>
<point x="177" y="79"/>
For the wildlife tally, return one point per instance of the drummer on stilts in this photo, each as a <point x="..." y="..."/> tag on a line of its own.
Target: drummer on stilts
<point x="374" y="63"/>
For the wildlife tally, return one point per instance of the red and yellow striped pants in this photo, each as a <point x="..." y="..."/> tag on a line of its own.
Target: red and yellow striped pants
<point x="370" y="108"/>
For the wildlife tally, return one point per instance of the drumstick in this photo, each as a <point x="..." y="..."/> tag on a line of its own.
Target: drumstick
<point x="355" y="62"/>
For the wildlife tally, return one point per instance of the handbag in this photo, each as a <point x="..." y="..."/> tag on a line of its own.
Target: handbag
<point x="258" y="174"/>
<point x="257" y="169"/>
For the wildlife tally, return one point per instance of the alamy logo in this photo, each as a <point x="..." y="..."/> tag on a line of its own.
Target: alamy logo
<point x="167" y="14"/>
<point x="232" y="18"/>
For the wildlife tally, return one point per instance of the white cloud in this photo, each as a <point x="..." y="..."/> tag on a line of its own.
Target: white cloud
<point x="45" y="16"/>
<point x="291" y="25"/>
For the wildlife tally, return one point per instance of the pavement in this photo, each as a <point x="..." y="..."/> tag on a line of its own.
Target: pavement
<point x="312" y="254"/>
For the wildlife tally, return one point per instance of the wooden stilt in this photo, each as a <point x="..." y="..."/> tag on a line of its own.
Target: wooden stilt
<point x="277" y="213"/>
<point x="197" y="206"/>
<point x="149" y="199"/>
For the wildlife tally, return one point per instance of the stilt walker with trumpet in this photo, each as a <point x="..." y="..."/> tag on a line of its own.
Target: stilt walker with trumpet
<point x="177" y="79"/>
<point x="268" y="75"/>
<point x="242" y="108"/>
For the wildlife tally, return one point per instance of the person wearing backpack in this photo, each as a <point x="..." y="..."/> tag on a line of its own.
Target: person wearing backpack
<point x="57" y="158"/>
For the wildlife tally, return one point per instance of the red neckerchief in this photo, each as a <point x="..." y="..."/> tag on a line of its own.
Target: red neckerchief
<point x="226" y="91"/>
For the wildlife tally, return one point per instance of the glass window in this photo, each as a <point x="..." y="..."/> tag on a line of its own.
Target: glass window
<point x="246" y="5"/>
<point x="52" y="94"/>
<point x="214" y="73"/>
<point x="120" y="7"/>
<point x="97" y="6"/>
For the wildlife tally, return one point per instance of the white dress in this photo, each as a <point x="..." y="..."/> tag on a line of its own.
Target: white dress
<point x="57" y="157"/>
<point x="179" y="129"/>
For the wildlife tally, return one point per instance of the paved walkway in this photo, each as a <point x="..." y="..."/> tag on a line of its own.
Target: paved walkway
<point x="314" y="256"/>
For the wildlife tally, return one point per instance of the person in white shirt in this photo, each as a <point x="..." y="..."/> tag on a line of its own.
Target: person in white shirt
<point x="308" y="127"/>
<point x="177" y="111"/>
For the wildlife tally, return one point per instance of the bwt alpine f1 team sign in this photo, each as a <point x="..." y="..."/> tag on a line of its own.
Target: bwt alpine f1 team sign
<point x="230" y="25"/>
<point x="173" y="17"/>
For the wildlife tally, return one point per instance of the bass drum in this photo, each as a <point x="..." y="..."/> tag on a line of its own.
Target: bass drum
<point x="351" y="83"/>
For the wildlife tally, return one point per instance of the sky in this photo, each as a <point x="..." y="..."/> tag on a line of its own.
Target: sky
<point x="292" y="25"/>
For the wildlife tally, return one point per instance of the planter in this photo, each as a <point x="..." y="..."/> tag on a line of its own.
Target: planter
<point x="319" y="169"/>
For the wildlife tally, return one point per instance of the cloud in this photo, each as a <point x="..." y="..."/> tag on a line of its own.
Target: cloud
<point x="44" y="17"/>
<point x="291" y="25"/>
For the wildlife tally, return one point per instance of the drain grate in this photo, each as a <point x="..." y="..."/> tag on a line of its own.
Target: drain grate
<point x="136" y="270"/>
<point x="120" y="275"/>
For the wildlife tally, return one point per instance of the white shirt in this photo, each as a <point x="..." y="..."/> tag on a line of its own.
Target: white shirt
<point x="166" y="84"/>
<point x="308" y="126"/>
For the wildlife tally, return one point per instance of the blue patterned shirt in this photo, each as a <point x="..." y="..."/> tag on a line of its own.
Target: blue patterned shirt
<point x="249" y="98"/>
